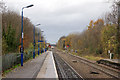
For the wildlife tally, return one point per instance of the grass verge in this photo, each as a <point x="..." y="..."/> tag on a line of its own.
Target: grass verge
<point x="89" y="57"/>
<point x="6" y="71"/>
<point x="93" y="58"/>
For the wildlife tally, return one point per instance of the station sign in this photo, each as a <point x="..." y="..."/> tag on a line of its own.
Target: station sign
<point x="41" y="41"/>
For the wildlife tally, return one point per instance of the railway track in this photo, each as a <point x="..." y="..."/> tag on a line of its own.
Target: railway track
<point x="65" y="71"/>
<point x="104" y="69"/>
<point x="111" y="72"/>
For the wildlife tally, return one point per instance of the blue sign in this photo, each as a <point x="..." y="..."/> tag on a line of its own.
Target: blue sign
<point x="40" y="41"/>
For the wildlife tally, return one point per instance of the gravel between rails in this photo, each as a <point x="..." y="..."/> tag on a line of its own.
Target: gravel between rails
<point x="65" y="71"/>
<point x="105" y="69"/>
<point x="86" y="71"/>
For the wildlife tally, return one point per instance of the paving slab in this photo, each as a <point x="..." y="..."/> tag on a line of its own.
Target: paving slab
<point x="48" y="69"/>
<point x="30" y="69"/>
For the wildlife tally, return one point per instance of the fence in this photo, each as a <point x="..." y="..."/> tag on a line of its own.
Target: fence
<point x="10" y="60"/>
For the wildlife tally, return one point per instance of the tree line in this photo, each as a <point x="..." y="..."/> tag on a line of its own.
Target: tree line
<point x="11" y="31"/>
<point x="100" y="37"/>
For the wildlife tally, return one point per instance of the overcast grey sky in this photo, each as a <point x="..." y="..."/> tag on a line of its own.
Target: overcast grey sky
<point x="60" y="17"/>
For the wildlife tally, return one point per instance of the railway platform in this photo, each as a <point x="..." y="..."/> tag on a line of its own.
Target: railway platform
<point x="114" y="63"/>
<point x="29" y="69"/>
<point x="48" y="69"/>
<point x="41" y="67"/>
<point x="117" y="61"/>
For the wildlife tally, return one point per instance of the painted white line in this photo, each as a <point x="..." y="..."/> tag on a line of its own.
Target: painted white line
<point x="48" y="69"/>
<point x="54" y="65"/>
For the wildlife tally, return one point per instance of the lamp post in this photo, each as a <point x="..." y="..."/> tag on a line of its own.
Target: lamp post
<point x="38" y="40"/>
<point x="44" y="43"/>
<point x="22" y="35"/>
<point x="34" y="40"/>
<point x="41" y="40"/>
<point x="38" y="43"/>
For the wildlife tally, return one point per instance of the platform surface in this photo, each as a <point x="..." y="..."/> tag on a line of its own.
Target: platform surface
<point x="30" y="69"/>
<point x="48" y="69"/>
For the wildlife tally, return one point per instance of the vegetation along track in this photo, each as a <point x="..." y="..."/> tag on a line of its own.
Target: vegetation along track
<point x="65" y="71"/>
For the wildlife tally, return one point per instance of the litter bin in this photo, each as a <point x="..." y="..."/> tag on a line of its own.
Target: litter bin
<point x="75" y="51"/>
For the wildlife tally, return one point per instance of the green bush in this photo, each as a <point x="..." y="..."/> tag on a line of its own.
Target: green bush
<point x="99" y="51"/>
